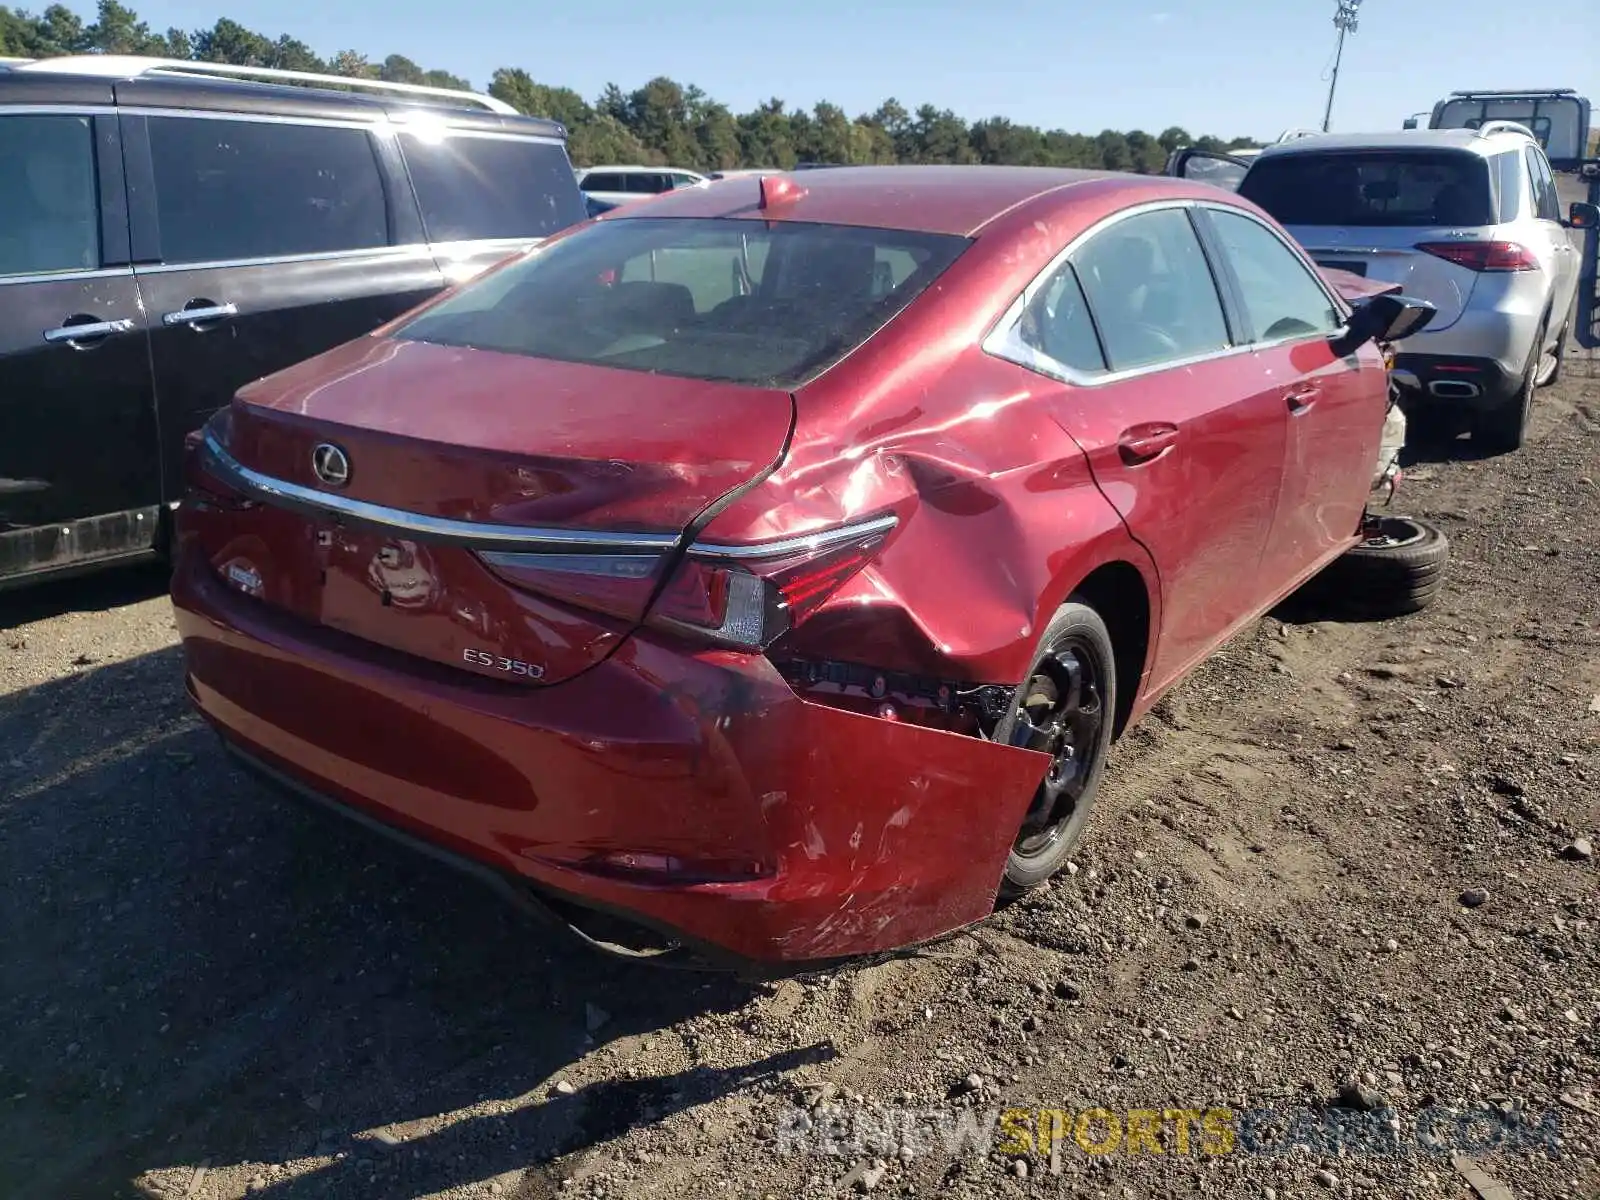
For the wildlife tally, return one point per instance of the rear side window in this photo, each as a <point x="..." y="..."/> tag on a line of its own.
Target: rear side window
<point x="602" y="183"/>
<point x="478" y="188"/>
<point x="230" y="189"/>
<point x="1151" y="290"/>
<point x="1509" y="171"/>
<point x="1056" y="324"/>
<point x="50" y="218"/>
<point x="1384" y="188"/>
<point x="741" y="301"/>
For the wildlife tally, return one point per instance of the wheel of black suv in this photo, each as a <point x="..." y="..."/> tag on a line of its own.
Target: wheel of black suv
<point x="1063" y="708"/>
<point x="1397" y="568"/>
<point x="1504" y="427"/>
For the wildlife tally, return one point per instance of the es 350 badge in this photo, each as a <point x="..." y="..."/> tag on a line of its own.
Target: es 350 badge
<point x="495" y="662"/>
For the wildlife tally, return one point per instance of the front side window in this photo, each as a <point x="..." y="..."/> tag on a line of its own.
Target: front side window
<point x="741" y="301"/>
<point x="254" y="189"/>
<point x="1376" y="188"/>
<point x="483" y="188"/>
<point x="1282" y="299"/>
<point x="49" y="214"/>
<point x="1151" y="290"/>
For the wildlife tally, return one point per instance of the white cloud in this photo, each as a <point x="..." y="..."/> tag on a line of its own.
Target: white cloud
<point x="1160" y="18"/>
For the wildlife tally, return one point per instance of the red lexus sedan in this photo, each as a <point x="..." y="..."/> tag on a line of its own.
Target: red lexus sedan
<point x="766" y="570"/>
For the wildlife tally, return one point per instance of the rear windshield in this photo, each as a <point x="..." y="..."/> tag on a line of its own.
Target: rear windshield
<point x="735" y="300"/>
<point x="1405" y="187"/>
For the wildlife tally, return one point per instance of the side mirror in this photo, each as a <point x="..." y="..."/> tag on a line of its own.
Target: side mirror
<point x="1583" y="215"/>
<point x="1409" y="123"/>
<point x="1387" y="318"/>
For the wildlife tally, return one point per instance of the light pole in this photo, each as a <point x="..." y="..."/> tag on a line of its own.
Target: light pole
<point x="1344" y="20"/>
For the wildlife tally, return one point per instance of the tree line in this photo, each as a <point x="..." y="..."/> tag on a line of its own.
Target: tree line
<point x="663" y="122"/>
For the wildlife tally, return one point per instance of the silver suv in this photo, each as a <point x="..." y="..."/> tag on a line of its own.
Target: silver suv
<point x="1467" y="219"/>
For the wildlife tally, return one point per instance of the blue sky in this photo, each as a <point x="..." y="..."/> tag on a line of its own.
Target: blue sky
<point x="1230" y="67"/>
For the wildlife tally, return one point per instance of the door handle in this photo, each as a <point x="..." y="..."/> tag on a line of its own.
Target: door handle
<point x="80" y="329"/>
<point x="198" y="312"/>
<point x="1146" y="443"/>
<point x="1301" y="399"/>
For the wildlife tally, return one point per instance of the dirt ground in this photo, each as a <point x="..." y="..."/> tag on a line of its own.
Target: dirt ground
<point x="208" y="992"/>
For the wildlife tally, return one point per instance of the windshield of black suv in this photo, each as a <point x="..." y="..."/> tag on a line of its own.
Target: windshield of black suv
<point x="765" y="304"/>
<point x="1373" y="187"/>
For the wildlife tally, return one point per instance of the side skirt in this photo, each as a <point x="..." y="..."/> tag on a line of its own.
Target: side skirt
<point x="49" y="551"/>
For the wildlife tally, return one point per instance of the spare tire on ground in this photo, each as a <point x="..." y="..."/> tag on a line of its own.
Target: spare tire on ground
<point x="1397" y="568"/>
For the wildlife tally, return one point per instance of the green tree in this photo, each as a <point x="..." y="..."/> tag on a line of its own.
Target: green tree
<point x="716" y="133"/>
<point x="1174" y="137"/>
<point x="766" y="137"/>
<point x="1115" y="153"/>
<point x="116" y="30"/>
<point x="397" y="68"/>
<point x="352" y="63"/>
<point x="230" y="42"/>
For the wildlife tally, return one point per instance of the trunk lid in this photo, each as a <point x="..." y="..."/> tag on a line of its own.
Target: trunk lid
<point x="454" y="452"/>
<point x="1390" y="256"/>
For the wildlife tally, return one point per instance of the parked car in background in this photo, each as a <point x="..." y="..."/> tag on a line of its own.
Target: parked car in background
<point x="1467" y="219"/>
<point x="173" y="230"/>
<point x="776" y="561"/>
<point x="622" y="185"/>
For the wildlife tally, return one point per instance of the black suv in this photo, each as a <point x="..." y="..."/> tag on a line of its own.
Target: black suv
<point x="170" y="231"/>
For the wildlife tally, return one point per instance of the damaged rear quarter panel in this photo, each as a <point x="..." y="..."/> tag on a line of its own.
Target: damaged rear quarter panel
<point x="1000" y="517"/>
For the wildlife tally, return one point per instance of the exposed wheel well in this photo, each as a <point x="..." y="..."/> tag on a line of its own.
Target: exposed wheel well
<point x="1116" y="591"/>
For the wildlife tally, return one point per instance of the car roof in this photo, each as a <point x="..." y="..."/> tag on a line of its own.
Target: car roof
<point x="1406" y="139"/>
<point x="133" y="81"/>
<point x="956" y="200"/>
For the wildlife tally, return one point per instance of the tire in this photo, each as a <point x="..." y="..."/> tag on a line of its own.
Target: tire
<point x="1398" y="569"/>
<point x="1504" y="428"/>
<point x="1076" y="644"/>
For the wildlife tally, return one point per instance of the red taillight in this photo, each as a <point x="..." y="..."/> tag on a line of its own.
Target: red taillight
<point x="742" y="597"/>
<point x="1483" y="256"/>
<point x="749" y="596"/>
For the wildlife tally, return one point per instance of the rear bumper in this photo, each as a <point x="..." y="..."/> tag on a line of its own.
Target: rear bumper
<point x="766" y="828"/>
<point x="1466" y="381"/>
<point x="1499" y="338"/>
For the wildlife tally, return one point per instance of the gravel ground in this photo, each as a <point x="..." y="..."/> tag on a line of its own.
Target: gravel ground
<point x="1337" y="887"/>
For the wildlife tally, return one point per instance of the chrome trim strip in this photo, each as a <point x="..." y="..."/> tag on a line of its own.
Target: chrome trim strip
<point x="421" y="129"/>
<point x="415" y="250"/>
<point x="371" y="123"/>
<point x="470" y="534"/>
<point x="76" y="110"/>
<point x="68" y="276"/>
<point x="805" y="543"/>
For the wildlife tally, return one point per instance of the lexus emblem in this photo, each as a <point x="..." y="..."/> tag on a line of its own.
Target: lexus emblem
<point x="331" y="465"/>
